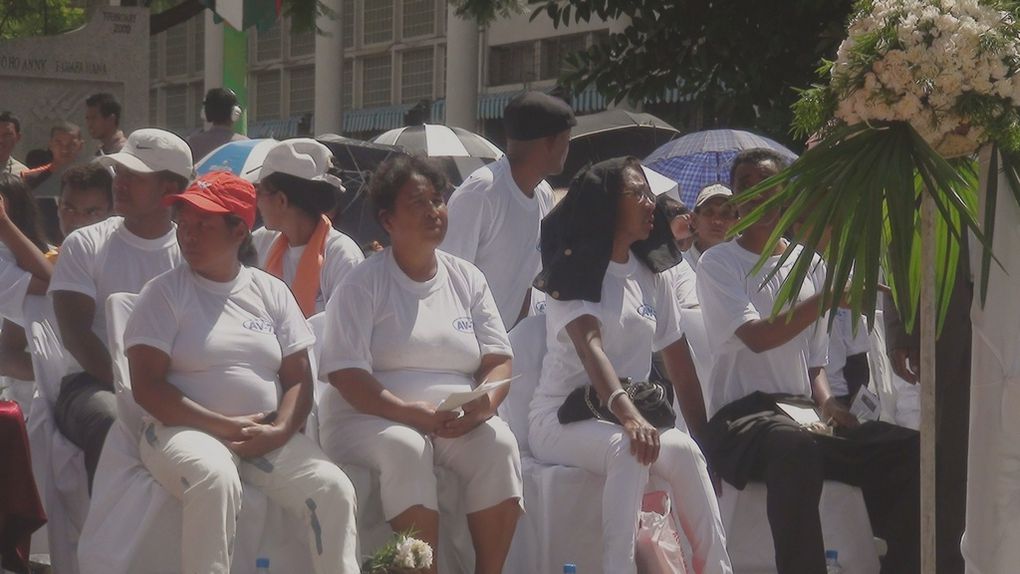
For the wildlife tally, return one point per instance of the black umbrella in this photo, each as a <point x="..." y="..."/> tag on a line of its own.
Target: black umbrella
<point x="610" y="134"/>
<point x="355" y="161"/>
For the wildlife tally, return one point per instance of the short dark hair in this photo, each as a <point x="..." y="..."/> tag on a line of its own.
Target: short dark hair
<point x="393" y="173"/>
<point x="218" y="104"/>
<point x="8" y="117"/>
<point x="22" y="209"/>
<point x="65" y="127"/>
<point x="89" y="176"/>
<point x="312" y="197"/>
<point x="756" y="156"/>
<point x="106" y="104"/>
<point x="672" y="207"/>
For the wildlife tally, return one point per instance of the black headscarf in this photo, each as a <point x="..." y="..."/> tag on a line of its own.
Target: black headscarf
<point x="577" y="235"/>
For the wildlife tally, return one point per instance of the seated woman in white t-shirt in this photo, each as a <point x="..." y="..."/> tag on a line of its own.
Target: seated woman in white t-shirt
<point x="218" y="355"/>
<point x="607" y="311"/>
<point x="298" y="243"/>
<point x="415" y="324"/>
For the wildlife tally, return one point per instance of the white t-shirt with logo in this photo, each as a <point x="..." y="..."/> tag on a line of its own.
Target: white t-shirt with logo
<point x="106" y="258"/>
<point x="13" y="287"/>
<point x="341" y="255"/>
<point x="420" y="340"/>
<point x="683" y="281"/>
<point x="496" y="227"/>
<point x="225" y="340"/>
<point x="730" y="296"/>
<point x="844" y="343"/>
<point x="637" y="315"/>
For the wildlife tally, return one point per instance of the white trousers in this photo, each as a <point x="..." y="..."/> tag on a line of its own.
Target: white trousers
<point x="486" y="460"/>
<point x="603" y="448"/>
<point x="206" y="476"/>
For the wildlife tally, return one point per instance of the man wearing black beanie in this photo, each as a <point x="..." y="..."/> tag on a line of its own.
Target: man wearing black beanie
<point x="494" y="216"/>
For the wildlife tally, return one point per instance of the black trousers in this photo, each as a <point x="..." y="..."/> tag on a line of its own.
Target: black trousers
<point x="879" y="458"/>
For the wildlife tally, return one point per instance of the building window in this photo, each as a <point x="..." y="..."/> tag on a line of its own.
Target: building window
<point x="267" y="96"/>
<point x="556" y="50"/>
<point x="416" y="73"/>
<point x="347" y="23"/>
<point x="199" y="42"/>
<point x="419" y="18"/>
<point x="177" y="108"/>
<point x="441" y="59"/>
<point x="302" y="43"/>
<point x="347" y="85"/>
<point x="153" y="57"/>
<point x="302" y="91"/>
<point x="267" y="43"/>
<point x="376" y="81"/>
<point x="153" y="108"/>
<point x="512" y="64"/>
<point x="196" y="103"/>
<point x="378" y="21"/>
<point x="177" y="51"/>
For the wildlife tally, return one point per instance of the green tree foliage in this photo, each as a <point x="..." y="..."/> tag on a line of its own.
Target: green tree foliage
<point x="19" y="18"/>
<point x="740" y="62"/>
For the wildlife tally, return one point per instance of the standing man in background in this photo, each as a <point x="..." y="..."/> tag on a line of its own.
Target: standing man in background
<point x="10" y="135"/>
<point x="221" y="110"/>
<point x="102" y="119"/>
<point x="495" y="215"/>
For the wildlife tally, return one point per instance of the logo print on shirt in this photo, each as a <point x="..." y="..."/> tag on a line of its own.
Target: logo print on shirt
<point x="540" y="307"/>
<point x="464" y="324"/>
<point x="646" y="311"/>
<point x="263" y="326"/>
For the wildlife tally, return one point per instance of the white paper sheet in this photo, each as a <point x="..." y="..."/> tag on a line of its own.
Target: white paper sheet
<point x="457" y="400"/>
<point x="804" y="416"/>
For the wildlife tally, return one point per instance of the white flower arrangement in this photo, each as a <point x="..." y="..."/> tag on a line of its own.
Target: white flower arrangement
<point x="403" y="553"/>
<point x="949" y="68"/>
<point x="915" y="89"/>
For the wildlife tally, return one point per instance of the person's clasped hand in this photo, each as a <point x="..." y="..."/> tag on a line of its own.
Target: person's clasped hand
<point x="838" y="415"/>
<point x="476" y="412"/>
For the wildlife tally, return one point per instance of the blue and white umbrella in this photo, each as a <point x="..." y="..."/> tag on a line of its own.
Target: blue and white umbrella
<point x="242" y="158"/>
<point x="703" y="158"/>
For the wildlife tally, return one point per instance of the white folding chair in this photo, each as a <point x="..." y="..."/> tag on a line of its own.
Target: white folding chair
<point x="845" y="524"/>
<point x="134" y="525"/>
<point x="564" y="503"/>
<point x="58" y="465"/>
<point x="456" y="551"/>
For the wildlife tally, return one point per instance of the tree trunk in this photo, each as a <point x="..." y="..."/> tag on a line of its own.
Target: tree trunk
<point x="179" y="14"/>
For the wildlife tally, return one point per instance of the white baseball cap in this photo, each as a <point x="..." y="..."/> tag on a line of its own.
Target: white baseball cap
<point x="711" y="192"/>
<point x="304" y="158"/>
<point x="149" y="150"/>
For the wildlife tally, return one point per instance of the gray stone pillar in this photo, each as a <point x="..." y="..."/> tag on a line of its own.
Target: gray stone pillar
<point x="212" y="74"/>
<point x="462" y="40"/>
<point x="329" y="62"/>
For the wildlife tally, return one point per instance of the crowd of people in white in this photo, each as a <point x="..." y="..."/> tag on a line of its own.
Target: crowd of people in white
<point x="218" y="345"/>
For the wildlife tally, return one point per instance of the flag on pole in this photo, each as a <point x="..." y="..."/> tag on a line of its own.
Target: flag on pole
<point x="243" y="14"/>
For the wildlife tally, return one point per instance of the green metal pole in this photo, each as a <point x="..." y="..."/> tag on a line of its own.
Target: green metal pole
<point x="235" y="70"/>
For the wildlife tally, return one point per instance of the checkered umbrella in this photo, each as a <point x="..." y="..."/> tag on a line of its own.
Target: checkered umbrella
<point x="703" y="158"/>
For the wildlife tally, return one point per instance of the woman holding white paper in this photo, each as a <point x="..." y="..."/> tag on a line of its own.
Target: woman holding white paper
<point x="413" y="325"/>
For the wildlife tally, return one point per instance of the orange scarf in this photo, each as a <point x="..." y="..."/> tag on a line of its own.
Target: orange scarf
<point x="309" y="267"/>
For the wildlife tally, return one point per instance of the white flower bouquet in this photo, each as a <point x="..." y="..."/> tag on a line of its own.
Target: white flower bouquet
<point x="916" y="87"/>
<point x="403" y="554"/>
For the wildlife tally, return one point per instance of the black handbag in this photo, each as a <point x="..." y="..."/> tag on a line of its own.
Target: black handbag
<point x="653" y="399"/>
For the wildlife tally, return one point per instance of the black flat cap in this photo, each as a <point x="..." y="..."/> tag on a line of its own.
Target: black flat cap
<point x="533" y="115"/>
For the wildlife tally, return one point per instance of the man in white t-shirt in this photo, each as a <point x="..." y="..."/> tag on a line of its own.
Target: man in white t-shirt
<point x="761" y="361"/>
<point x="119" y="255"/>
<point x="713" y="218"/>
<point x="496" y="213"/>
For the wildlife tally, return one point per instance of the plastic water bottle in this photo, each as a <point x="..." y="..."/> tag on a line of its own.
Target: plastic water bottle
<point x="569" y="569"/>
<point x="261" y="566"/>
<point x="832" y="562"/>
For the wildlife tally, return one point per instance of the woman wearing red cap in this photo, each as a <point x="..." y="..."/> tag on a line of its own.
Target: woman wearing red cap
<point x="218" y="358"/>
<point x="298" y="243"/>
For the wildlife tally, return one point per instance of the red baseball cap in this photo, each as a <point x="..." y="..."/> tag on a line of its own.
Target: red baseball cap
<point x="220" y="192"/>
